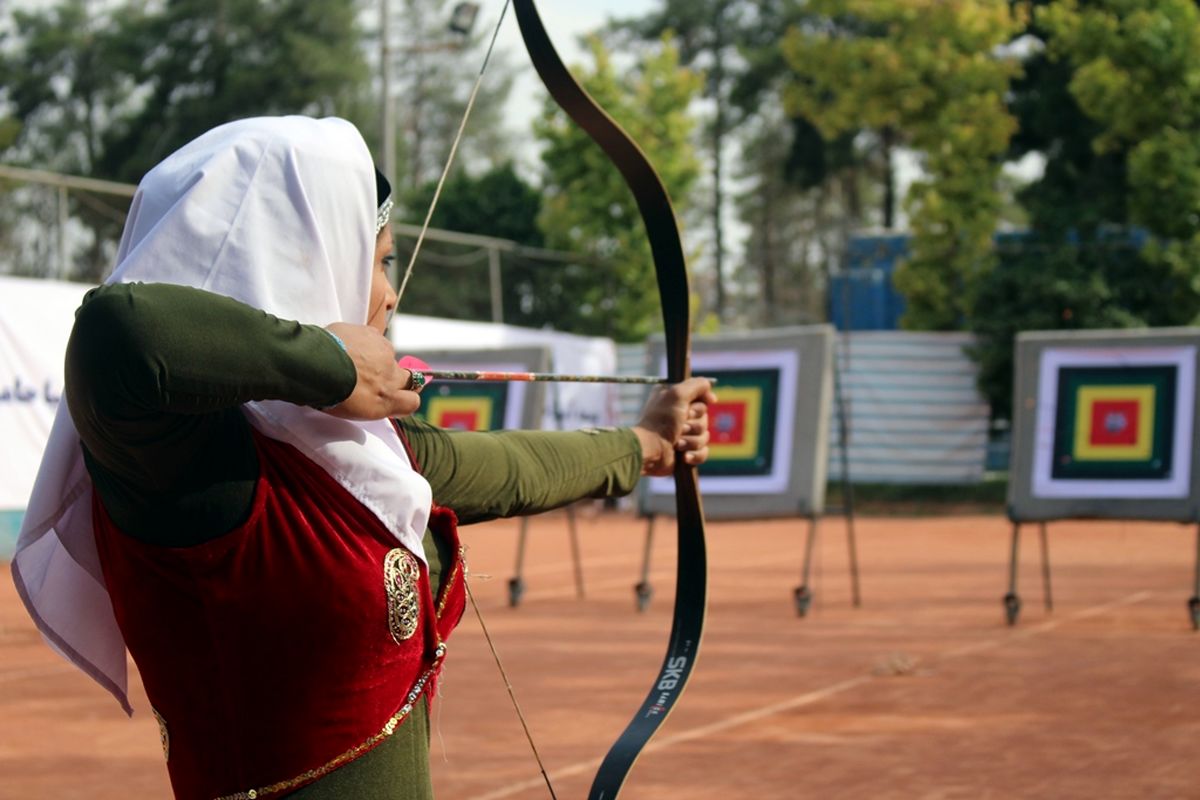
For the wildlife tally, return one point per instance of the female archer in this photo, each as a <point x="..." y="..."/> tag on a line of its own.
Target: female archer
<point x="236" y="492"/>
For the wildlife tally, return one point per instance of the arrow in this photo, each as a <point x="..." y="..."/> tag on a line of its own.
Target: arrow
<point x="540" y="377"/>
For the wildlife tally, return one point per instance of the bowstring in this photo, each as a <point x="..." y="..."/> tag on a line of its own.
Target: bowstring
<point x="437" y="192"/>
<point x="412" y="262"/>
<point x="508" y="685"/>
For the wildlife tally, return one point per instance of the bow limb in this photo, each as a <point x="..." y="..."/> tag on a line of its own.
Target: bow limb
<point x="671" y="272"/>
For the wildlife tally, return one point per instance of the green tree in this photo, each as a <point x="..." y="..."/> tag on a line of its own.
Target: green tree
<point x="791" y="230"/>
<point x="798" y="195"/>
<point x="1137" y="74"/>
<point x="109" y="91"/>
<point x="63" y="82"/>
<point x="433" y="72"/>
<point x="1081" y="192"/>
<point x="588" y="209"/>
<point x="1104" y="284"/>
<point x="707" y="33"/>
<point x="499" y="204"/>
<point x="804" y="195"/>
<point x="205" y="62"/>
<point x="927" y="74"/>
<point x="9" y="218"/>
<point x="65" y="78"/>
<point x="1106" y="97"/>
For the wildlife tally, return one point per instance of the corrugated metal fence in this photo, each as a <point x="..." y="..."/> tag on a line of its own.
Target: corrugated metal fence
<point x="915" y="415"/>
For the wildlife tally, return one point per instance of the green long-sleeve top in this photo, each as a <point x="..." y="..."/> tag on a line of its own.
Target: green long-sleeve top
<point x="155" y="377"/>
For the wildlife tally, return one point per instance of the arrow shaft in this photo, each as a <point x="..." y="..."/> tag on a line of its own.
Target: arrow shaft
<point x="484" y="375"/>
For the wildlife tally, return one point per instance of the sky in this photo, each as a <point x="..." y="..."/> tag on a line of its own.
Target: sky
<point x="565" y="21"/>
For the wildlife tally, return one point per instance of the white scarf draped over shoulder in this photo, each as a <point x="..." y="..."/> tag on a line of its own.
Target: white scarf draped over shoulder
<point x="280" y="214"/>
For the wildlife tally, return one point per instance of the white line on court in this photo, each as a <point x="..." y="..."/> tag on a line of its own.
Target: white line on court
<point x="809" y="698"/>
<point x="1049" y="625"/>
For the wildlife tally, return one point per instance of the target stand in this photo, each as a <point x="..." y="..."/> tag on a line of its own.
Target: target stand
<point x="1105" y="427"/>
<point x="769" y="440"/>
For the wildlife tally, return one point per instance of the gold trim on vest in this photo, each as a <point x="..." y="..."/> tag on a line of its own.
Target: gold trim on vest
<point x="459" y="566"/>
<point x="162" y="733"/>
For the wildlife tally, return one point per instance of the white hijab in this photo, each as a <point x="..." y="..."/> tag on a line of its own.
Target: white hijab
<point x="278" y="213"/>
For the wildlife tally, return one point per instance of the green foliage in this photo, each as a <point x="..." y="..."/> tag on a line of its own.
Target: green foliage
<point x="921" y="500"/>
<point x="791" y="227"/>
<point x="928" y="73"/>
<point x="1038" y="289"/>
<point x="203" y="63"/>
<point x="1113" y="102"/>
<point x="791" y="184"/>
<point x="62" y="77"/>
<point x="588" y="209"/>
<point x="434" y="72"/>
<point x="111" y="94"/>
<point x="1112" y="284"/>
<point x="452" y="280"/>
<point x="1137" y="73"/>
<point x="497" y="203"/>
<point x="108" y="92"/>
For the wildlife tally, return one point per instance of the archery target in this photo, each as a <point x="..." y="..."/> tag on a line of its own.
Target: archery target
<point x="1105" y="425"/>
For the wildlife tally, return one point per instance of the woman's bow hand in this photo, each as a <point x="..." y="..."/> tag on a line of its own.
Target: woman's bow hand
<point x="675" y="420"/>
<point x="383" y="389"/>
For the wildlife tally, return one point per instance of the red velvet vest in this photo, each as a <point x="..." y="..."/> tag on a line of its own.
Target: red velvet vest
<point x="287" y="647"/>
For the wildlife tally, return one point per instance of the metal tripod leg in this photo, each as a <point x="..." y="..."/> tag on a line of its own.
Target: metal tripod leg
<point x="516" y="584"/>
<point x="1047" y="598"/>
<point x="1194" y="602"/>
<point x="573" y="532"/>
<point x="1012" y="603"/>
<point x="843" y="415"/>
<point x="803" y="595"/>
<point x="643" y="591"/>
<point x="852" y="546"/>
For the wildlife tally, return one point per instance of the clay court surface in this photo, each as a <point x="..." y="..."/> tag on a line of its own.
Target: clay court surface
<point x="923" y="692"/>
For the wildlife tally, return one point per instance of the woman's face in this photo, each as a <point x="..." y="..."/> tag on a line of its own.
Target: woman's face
<point x="383" y="296"/>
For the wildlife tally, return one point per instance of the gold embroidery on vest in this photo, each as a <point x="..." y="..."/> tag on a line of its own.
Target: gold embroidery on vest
<point x="401" y="576"/>
<point x="460" y="566"/>
<point x="162" y="733"/>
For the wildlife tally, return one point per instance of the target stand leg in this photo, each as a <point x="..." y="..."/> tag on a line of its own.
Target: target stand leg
<point x="576" y="559"/>
<point x="1012" y="602"/>
<point x="643" y="591"/>
<point x="516" y="584"/>
<point x="1047" y="598"/>
<point x="802" y="596"/>
<point x="1194" y="601"/>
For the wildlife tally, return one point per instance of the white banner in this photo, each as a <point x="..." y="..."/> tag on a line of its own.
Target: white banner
<point x="35" y="321"/>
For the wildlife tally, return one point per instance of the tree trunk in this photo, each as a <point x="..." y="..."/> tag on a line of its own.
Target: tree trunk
<point x="889" y="178"/>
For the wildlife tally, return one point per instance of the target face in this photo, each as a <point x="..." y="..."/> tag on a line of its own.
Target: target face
<point x="465" y="406"/>
<point x="1115" y="422"/>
